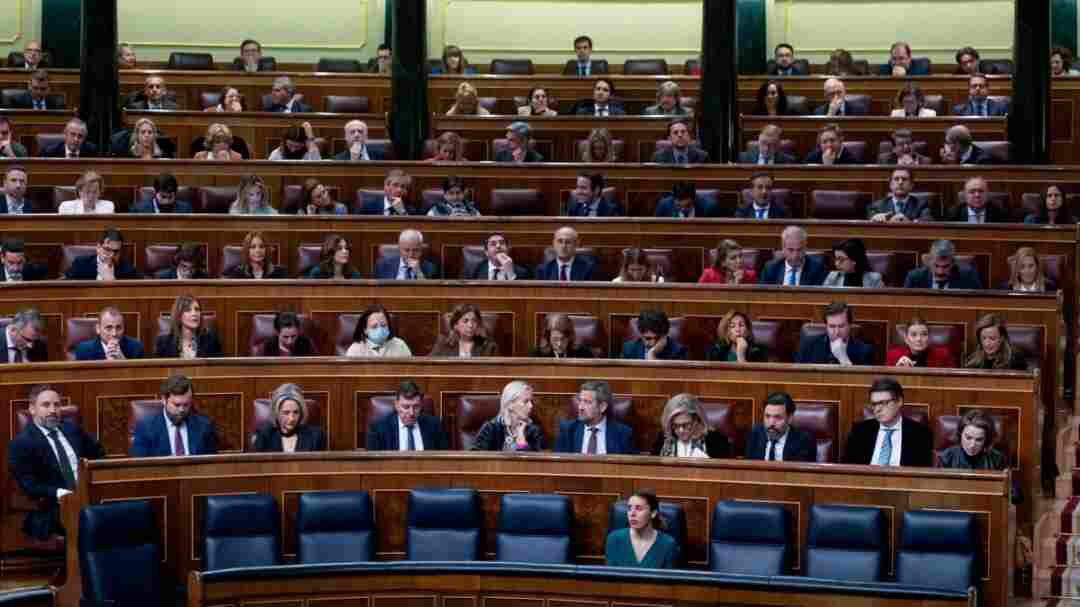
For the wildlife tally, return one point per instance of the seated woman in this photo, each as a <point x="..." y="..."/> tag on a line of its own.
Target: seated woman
<point x="635" y="268"/>
<point x="187" y="337"/>
<point x="455" y="201"/>
<point x="374" y="336"/>
<point x="537" y="104"/>
<point x="1026" y="274"/>
<point x="518" y="145"/>
<point x="728" y="267"/>
<point x="1061" y="63"/>
<point x="255" y="263"/>
<point x="668" y="102"/>
<point x="297" y="143"/>
<point x="188" y="264"/>
<point x="143" y="143"/>
<point x="841" y="63"/>
<point x="642" y="543"/>
<point x="1053" y="210"/>
<point x="335" y="260"/>
<point x="315" y="200"/>
<point x="917" y="351"/>
<point x="686" y="433"/>
<point x="466" y="338"/>
<point x="252" y="198"/>
<point x="598" y="147"/>
<point x="512" y="429"/>
<point x="218" y="142"/>
<point x="449" y="148"/>
<point x="287" y="340"/>
<point x="654" y="343"/>
<point x="231" y="101"/>
<point x="560" y="340"/>
<point x="735" y="341"/>
<point x="909" y="103"/>
<point x="88" y="187"/>
<point x="289" y="431"/>
<point x="771" y="100"/>
<point x="975" y="451"/>
<point x="994" y="350"/>
<point x="453" y="62"/>
<point x="467" y="102"/>
<point x="852" y="267"/>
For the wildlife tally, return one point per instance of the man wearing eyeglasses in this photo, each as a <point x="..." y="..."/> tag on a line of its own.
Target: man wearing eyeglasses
<point x="106" y="263"/>
<point x="889" y="439"/>
<point x="25" y="338"/>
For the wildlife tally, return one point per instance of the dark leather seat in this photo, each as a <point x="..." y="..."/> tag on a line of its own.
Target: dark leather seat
<point x="335" y="527"/>
<point x="262" y="414"/>
<point x="857" y="149"/>
<point x="838" y="204"/>
<point x="995" y="66"/>
<point x="241" y="531"/>
<point x="820" y="420"/>
<point x="920" y="64"/>
<point x="119" y="555"/>
<point x="443" y="525"/>
<point x="937" y="549"/>
<point x="845" y="543"/>
<point x="307" y="257"/>
<point x="385" y="146"/>
<point x="720" y="416"/>
<point x="190" y="61"/>
<point x="64" y="193"/>
<point x="140" y="409"/>
<point x="345" y="104"/>
<point x="77" y="330"/>
<point x="216" y="199"/>
<point x="859" y="103"/>
<point x="750" y="538"/>
<point x="588" y="332"/>
<point x="70" y="252"/>
<point x="44" y="140"/>
<point x="330" y="64"/>
<point x="798" y="105"/>
<point x="517" y="202"/>
<point x="886" y="264"/>
<point x="1028" y="339"/>
<point x="535" y="529"/>
<point x="521" y="67"/>
<point x="674" y="522"/>
<point x="1000" y="151"/>
<point x="645" y="67"/>
<point x="936" y="103"/>
<point x="472" y="411"/>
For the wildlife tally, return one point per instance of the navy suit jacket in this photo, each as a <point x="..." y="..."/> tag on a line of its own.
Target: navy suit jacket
<point x="56" y="150"/>
<point x="618" y="438"/>
<point x="815" y="350"/>
<point x="959" y="278"/>
<point x="845" y="157"/>
<point x="778" y="158"/>
<point x="31" y="271"/>
<point x="25" y="102"/>
<point x="383" y="435"/>
<point x="85" y="268"/>
<point x="373" y="154"/>
<point x="93" y="349"/>
<point x="798" y="447"/>
<point x="994" y="107"/>
<point x="703" y="207"/>
<point x="581" y="269"/>
<point x="152" y="438"/>
<point x="147" y="206"/>
<point x="776" y="211"/>
<point x="372" y="205"/>
<point x="588" y="108"/>
<point x="916" y="444"/>
<point x="308" y="438"/>
<point x="606" y="208"/>
<point x="596" y="67"/>
<point x="994" y="214"/>
<point x="482" y="270"/>
<point x="28" y="205"/>
<point x="694" y="155"/>
<point x="298" y="108"/>
<point x="387" y="268"/>
<point x="634" y="349"/>
<point x="918" y="68"/>
<point x="813" y="273"/>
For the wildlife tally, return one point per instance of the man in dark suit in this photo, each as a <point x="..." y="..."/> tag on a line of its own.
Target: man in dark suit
<point x="177" y="430"/>
<point x="959" y="148"/>
<point x="775" y="439"/>
<point x="979" y="102"/>
<point x="164" y="198"/>
<point x="74" y="144"/>
<point x="762" y="206"/>
<point x="594" y="432"/>
<point x="584" y="65"/>
<point x="684" y="203"/>
<point x="37" y="96"/>
<point x="680" y="151"/>
<point x="44" y="460"/>
<point x="409" y="263"/>
<point x="14" y="267"/>
<point x="768" y="149"/>
<point x="153" y="97"/>
<point x="284" y="98"/>
<point x="784" y="64"/>
<point x="942" y="271"/>
<point x="408" y="429"/>
<point x="976" y="208"/>
<point x="110" y="343"/>
<point x="382" y="61"/>
<point x="903" y="151"/>
<point x="9" y="147"/>
<point x="899" y="206"/>
<point x="836" y="101"/>
<point x="396" y="188"/>
<point x="655" y="342"/>
<point x="356" y="135"/>
<point x="601" y="105"/>
<point x="889" y="439"/>
<point x="107" y="263"/>
<point x="794" y="269"/>
<point x="567" y="265"/>
<point x="497" y="264"/>
<point x="835" y="346"/>
<point x="14" y="200"/>
<point x="251" y="59"/>
<point x="830" y="149"/>
<point x="900" y="63"/>
<point x="587" y="199"/>
<point x="25" y="338"/>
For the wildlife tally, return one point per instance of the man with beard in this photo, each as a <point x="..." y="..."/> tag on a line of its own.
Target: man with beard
<point x="177" y="430"/>
<point x="776" y="439"/>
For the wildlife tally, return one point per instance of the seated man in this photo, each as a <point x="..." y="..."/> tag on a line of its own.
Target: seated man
<point x="382" y="61"/>
<point x="680" y="151"/>
<point x="836" y="101"/>
<point x="976" y="208"/>
<point x="396" y="188"/>
<point x="900" y="63"/>
<point x="979" y="102"/>
<point x="594" y="432"/>
<point x="74" y="144"/>
<point x="941" y="271"/>
<point x="761" y="204"/>
<point x="44" y="460"/>
<point x="768" y="149"/>
<point x="25" y="338"/>
<point x="776" y="439"/>
<point x="967" y="61"/>
<point x="188" y="264"/>
<point x="15" y="268"/>
<point x="830" y="148"/>
<point x="164" y="198"/>
<point x="784" y="62"/>
<point x="584" y="64"/>
<point x="519" y="145"/>
<point x="587" y="199"/>
<point x="110" y="343"/>
<point x="14" y="200"/>
<point x="409" y="263"/>
<point x="960" y="149"/>
<point x="497" y="265"/>
<point x="601" y="105"/>
<point x="903" y="151"/>
<point x="284" y="98"/>
<point x="408" y="429"/>
<point x="356" y="135"/>
<point x="37" y="96"/>
<point x="153" y="96"/>
<point x="794" y="268"/>
<point x="178" y="430"/>
<point x="9" y="146"/>
<point x="684" y="203"/>
<point x="33" y="58"/>
<point x="106" y="264"/>
<point x="899" y="206"/>
<point x="125" y="57"/>
<point x="889" y="439"/>
<point x="654" y="343"/>
<point x="250" y="57"/>
<point x="567" y="265"/>
<point x="835" y="346"/>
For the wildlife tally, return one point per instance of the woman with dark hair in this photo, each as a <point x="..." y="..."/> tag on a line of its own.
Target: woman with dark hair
<point x="287" y="340"/>
<point x="374" y="336"/>
<point x="975" y="451"/>
<point x="852" y="267"/>
<point x="315" y="200"/>
<point x="686" y="433"/>
<point x="735" y="341"/>
<point x="297" y="143"/>
<point x="560" y="339"/>
<point x="1052" y="211"/>
<point x="1061" y="62"/>
<point x="727" y="266"/>
<point x="255" y="263"/>
<point x="187" y="337"/>
<point x="288" y="430"/>
<point x="231" y="101"/>
<point x="841" y="63"/>
<point x="537" y="104"/>
<point x="455" y="201"/>
<point x="909" y="103"/>
<point x="635" y="268"/>
<point x="466" y="338"/>
<point x="188" y="264"/>
<point x="335" y="260"/>
<point x="453" y="62"/>
<point x="642" y="543"/>
<point x="994" y="350"/>
<point x="771" y="100"/>
<point x="917" y="351"/>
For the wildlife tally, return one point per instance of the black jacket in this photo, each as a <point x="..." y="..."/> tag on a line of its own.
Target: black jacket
<point x="916" y="443"/>
<point x="492" y="436"/>
<point x="383" y="435"/>
<point x="798" y="447"/>
<point x="207" y="345"/>
<point x="309" y="438"/>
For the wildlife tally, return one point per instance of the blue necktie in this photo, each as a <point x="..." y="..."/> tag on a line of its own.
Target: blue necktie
<point x="410" y="274"/>
<point x="760" y="213"/>
<point x="582" y="70"/>
<point x="885" y="455"/>
<point x="412" y="439"/>
<point x="790" y="279"/>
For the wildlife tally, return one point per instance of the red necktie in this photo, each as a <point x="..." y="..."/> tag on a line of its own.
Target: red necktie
<point x="180" y="450"/>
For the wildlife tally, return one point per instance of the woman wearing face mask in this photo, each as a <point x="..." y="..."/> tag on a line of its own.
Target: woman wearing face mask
<point x="512" y="429"/>
<point x="917" y="351"/>
<point x="188" y="337"/>
<point x="560" y="339"/>
<point x="455" y="201"/>
<point x="288" y="431"/>
<point x="994" y="350"/>
<point x="374" y="336"/>
<point x="642" y="543"/>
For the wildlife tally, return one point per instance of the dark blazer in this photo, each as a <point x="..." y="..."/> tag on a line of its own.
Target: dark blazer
<point x="309" y="438"/>
<point x="918" y="68"/>
<point x="618" y="438"/>
<point x="588" y="108"/>
<point x="373" y="205"/>
<point x="916" y="443"/>
<point x="845" y="157"/>
<point x="754" y="353"/>
<point x="27" y="205"/>
<point x="316" y="272"/>
<point x="915" y="209"/>
<point x="301" y="347"/>
<point x="776" y="211"/>
<point x="596" y="67"/>
<point x="170" y="274"/>
<point x="606" y="208"/>
<point x="481" y="270"/>
<point x="796" y="69"/>
<point x="152" y="438"/>
<point x="507" y="156"/>
<point x="298" y="108"/>
<point x="147" y="206"/>
<point x="238" y="272"/>
<point x="892" y="158"/>
<point x="779" y="157"/>
<point x="383" y="435"/>
<point x="387" y="268"/>
<point x="35" y="468"/>
<point x="959" y="278"/>
<point x="634" y="349"/>
<point x="373" y="154"/>
<point x="492" y="436"/>
<point x="798" y="447"/>
<point x="979" y="156"/>
<point x="694" y="155"/>
<point x="994" y="214"/>
<point x="716" y="445"/>
<point x="481" y="347"/>
<point x="813" y="273"/>
<point x="93" y="349"/>
<point x="37" y="353"/>
<point x="25" y="102"/>
<point x="207" y="345"/>
<point x="571" y="352"/>
<point x="849" y="110"/>
<point x="56" y="150"/>
<point x="167" y="103"/>
<point x="31" y="271"/>
<point x="581" y="269"/>
<point x="85" y="268"/>
<point x="702" y="207"/>
<point x="994" y="107"/>
<point x="816" y="350"/>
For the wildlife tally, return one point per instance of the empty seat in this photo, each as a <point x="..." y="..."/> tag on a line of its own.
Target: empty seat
<point x="335" y="527"/>
<point x="674" y="522"/>
<point x="330" y="64"/>
<point x="936" y="103"/>
<point x="845" y="543"/>
<point x="937" y="549"/>
<point x="517" y="202"/>
<point x="798" y="105"/>
<point x="443" y="525"/>
<point x="44" y="140"/>
<point x="521" y="67"/>
<point x="216" y="199"/>
<point x="1000" y="151"/>
<point x="472" y="411"/>
<point x="995" y="66"/>
<point x="858" y="104"/>
<point x="190" y="61"/>
<point x="750" y="538"/>
<point x="645" y="67"/>
<point x="119" y="556"/>
<point x="76" y="331"/>
<point x="241" y="531"/>
<point x="345" y="104"/>
<point x="535" y="529"/>
<point x="857" y="150"/>
<point x="838" y="204"/>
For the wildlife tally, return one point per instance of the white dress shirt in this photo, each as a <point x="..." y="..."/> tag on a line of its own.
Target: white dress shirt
<point x="798" y="274"/>
<point x="170" y="429"/>
<point x="601" y="437"/>
<point x="894" y="457"/>
<point x="688" y="450"/>
<point x="69" y="453"/>
<point x="76" y="207"/>
<point x="11" y="344"/>
<point x="14" y="208"/>
<point x="403" y="436"/>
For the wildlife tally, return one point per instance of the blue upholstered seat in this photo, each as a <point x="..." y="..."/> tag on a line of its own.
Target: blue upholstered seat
<point x="443" y="525"/>
<point x="751" y="538"/>
<point x="119" y="556"/>
<point x="937" y="549"/>
<point x="241" y="531"/>
<point x="335" y="527"/>
<point x="846" y="543"/>
<point x="535" y="529"/>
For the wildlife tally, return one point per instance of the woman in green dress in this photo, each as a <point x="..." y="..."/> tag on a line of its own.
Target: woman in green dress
<point x="642" y="543"/>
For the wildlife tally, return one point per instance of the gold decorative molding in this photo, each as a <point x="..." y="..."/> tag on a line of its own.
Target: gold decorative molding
<point x="20" y="12"/>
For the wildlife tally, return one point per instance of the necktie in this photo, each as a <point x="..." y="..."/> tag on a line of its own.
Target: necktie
<point x="582" y="69"/>
<point x="410" y="274"/>
<point x="769" y="451"/>
<point x="180" y="450"/>
<point x="61" y="456"/>
<point x="899" y="207"/>
<point x="412" y="439"/>
<point x="791" y="278"/>
<point x="982" y="108"/>
<point x="18" y="355"/>
<point x="759" y="213"/>
<point x="39" y="105"/>
<point x="592" y="441"/>
<point x="885" y="456"/>
<point x="564" y="273"/>
<point x="680" y="158"/>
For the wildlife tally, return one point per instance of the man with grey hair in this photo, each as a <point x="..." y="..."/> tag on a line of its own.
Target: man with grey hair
<point x="154" y="96"/>
<point x="794" y="268"/>
<point x="592" y="433"/>
<point x="975" y="206"/>
<point x="519" y="145"/>
<point x="960" y="149"/>
<point x="283" y="98"/>
<point x="836" y="101"/>
<point x="409" y="263"/>
<point x="356" y="136"/>
<point x="768" y="149"/>
<point x="941" y="271"/>
<point x="74" y="144"/>
<point x="25" y="342"/>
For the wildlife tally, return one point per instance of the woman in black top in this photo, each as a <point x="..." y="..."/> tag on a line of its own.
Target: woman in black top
<point x="288" y="431"/>
<point x="994" y="350"/>
<point x="735" y="341"/>
<point x="771" y="100"/>
<point x="512" y="429"/>
<point x="256" y="264"/>
<point x="188" y="337"/>
<point x="287" y="340"/>
<point x="335" y="260"/>
<point x="560" y="340"/>
<point x="1053" y="209"/>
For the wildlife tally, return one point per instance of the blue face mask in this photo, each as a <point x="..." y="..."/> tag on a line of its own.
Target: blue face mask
<point x="378" y="335"/>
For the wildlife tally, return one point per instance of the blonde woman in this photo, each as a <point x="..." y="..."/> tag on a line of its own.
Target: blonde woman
<point x="599" y="147"/>
<point x="218" y="143"/>
<point x="512" y="429"/>
<point x="89" y="188"/>
<point x="288" y="430"/>
<point x="467" y="102"/>
<point x="252" y="198"/>
<point x="1027" y="273"/>
<point x="686" y="433"/>
<point x="143" y="141"/>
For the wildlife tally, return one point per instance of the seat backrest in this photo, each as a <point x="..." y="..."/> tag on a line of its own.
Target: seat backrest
<point x="936" y="103"/>
<point x="859" y="104"/>
<point x="1028" y="339"/>
<point x="307" y="257"/>
<point x="750" y="538"/>
<point x="517" y="202"/>
<point x="472" y="411"/>
<point x="119" y="555"/>
<point x="920" y="64"/>
<point x="76" y="330"/>
<point x="995" y="66"/>
<point x="44" y="140"/>
<point x="190" y="61"/>
<point x="331" y="64"/>
<point x="845" y="543"/>
<point x="588" y="332"/>
<point x="674" y="522"/>
<point x="798" y="105"/>
<point x="63" y="193"/>
<point x="820" y="421"/>
<point x="1000" y="151"/>
<point x="443" y="525"/>
<point x="838" y="204"/>
<point x="522" y="67"/>
<point x="937" y="549"/>
<point x="140" y="409"/>
<point x="216" y="199"/>
<point x="385" y="146"/>
<point x="857" y="149"/>
<point x="8" y="96"/>
<point x="335" y="527"/>
<point x="241" y="531"/>
<point x="345" y="104"/>
<point x="262" y="327"/>
<point x="645" y="67"/>
<point x="535" y="529"/>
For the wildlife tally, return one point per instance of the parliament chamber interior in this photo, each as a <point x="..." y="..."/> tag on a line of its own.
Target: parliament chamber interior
<point x="607" y="303"/>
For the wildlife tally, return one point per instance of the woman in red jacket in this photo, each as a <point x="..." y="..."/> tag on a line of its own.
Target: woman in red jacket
<point x="918" y="352"/>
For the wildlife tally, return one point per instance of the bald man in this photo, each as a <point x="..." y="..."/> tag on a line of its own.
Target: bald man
<point x="409" y="263"/>
<point x="567" y="265"/>
<point x="836" y="101"/>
